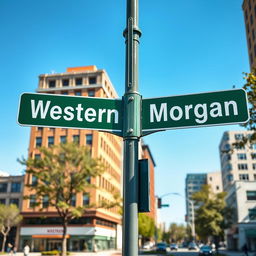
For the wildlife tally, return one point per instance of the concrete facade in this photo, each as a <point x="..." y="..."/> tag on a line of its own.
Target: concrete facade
<point x="238" y="168"/>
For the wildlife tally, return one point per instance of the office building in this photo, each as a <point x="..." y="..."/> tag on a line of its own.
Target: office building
<point x="249" y="9"/>
<point x="101" y="227"/>
<point x="42" y="229"/>
<point x="238" y="169"/>
<point x="193" y="183"/>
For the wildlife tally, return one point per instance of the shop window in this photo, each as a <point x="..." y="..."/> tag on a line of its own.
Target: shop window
<point x="78" y="93"/>
<point x="91" y="93"/>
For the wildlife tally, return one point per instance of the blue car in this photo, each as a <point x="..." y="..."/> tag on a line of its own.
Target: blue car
<point x="161" y="247"/>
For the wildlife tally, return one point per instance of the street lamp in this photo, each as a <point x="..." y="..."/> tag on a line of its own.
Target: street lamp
<point x="193" y="212"/>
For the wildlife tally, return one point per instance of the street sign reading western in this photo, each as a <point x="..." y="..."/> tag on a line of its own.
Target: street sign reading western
<point x="70" y="112"/>
<point x="195" y="110"/>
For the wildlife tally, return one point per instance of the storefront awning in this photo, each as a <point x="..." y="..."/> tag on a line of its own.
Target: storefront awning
<point x="49" y="236"/>
<point x="250" y="233"/>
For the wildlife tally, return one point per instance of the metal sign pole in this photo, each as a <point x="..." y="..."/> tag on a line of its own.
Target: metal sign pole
<point x="131" y="132"/>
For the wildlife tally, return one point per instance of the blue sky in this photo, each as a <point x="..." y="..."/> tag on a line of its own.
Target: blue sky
<point x="187" y="46"/>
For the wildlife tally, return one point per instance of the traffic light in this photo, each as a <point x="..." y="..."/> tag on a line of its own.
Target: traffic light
<point x="159" y="203"/>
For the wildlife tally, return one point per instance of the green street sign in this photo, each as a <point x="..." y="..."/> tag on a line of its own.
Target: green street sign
<point x="195" y="110"/>
<point x="36" y="109"/>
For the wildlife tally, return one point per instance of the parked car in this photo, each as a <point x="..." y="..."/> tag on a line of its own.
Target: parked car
<point x="148" y="245"/>
<point x="161" y="247"/>
<point x="192" y="246"/>
<point x="205" y="250"/>
<point x="174" y="247"/>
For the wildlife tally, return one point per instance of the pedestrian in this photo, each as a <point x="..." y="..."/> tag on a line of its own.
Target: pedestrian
<point x="9" y="249"/>
<point x="245" y="249"/>
<point x="26" y="250"/>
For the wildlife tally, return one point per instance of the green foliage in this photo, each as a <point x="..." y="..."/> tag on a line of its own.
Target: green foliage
<point x="177" y="232"/>
<point x="63" y="171"/>
<point x="212" y="213"/>
<point x="9" y="217"/>
<point x="146" y="226"/>
<point x="55" y="252"/>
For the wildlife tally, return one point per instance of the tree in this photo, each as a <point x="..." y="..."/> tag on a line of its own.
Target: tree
<point x="212" y="214"/>
<point x="177" y="232"/>
<point x="250" y="88"/>
<point x="63" y="171"/>
<point x="9" y="217"/>
<point x="146" y="227"/>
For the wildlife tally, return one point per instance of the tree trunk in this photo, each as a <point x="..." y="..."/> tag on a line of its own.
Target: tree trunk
<point x="4" y="241"/>
<point x="64" y="238"/>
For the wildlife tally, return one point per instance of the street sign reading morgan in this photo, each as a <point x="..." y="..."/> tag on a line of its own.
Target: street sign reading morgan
<point x="36" y="109"/>
<point x="195" y="110"/>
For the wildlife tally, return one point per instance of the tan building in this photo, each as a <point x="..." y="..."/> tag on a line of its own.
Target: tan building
<point x="214" y="179"/>
<point x="249" y="8"/>
<point x="42" y="229"/>
<point x="98" y="226"/>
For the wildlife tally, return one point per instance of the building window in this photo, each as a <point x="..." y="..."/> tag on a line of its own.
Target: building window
<point x="37" y="156"/>
<point x="65" y="82"/>
<point x="15" y="201"/>
<point x="254" y="166"/>
<point x="217" y="187"/>
<point x="253" y="155"/>
<point x="45" y="202"/>
<point x="64" y="93"/>
<point x="254" y="176"/>
<point x="39" y="128"/>
<point x="255" y="50"/>
<point x="50" y="141"/>
<point x="251" y="19"/>
<point x="242" y="167"/>
<point x="91" y="93"/>
<point x="243" y="177"/>
<point x="34" y="181"/>
<point x="241" y="156"/>
<point x="52" y="83"/>
<point x="78" y="93"/>
<point x="238" y="136"/>
<point x="3" y="187"/>
<point x="86" y="199"/>
<point x="2" y="201"/>
<point x="246" y="14"/>
<point x="38" y="141"/>
<point x="251" y="195"/>
<point x="73" y="200"/>
<point x="252" y="214"/>
<point x="79" y="81"/>
<point x="92" y="80"/>
<point x="249" y="4"/>
<point x="249" y="42"/>
<point x="15" y="187"/>
<point x="76" y="139"/>
<point x="32" y="201"/>
<point x="253" y="35"/>
<point x="88" y="139"/>
<point x="253" y="146"/>
<point x="230" y="177"/>
<point x="251" y="59"/>
<point x="63" y="139"/>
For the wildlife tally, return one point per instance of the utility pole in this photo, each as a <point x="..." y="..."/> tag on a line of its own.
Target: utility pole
<point x="131" y="132"/>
